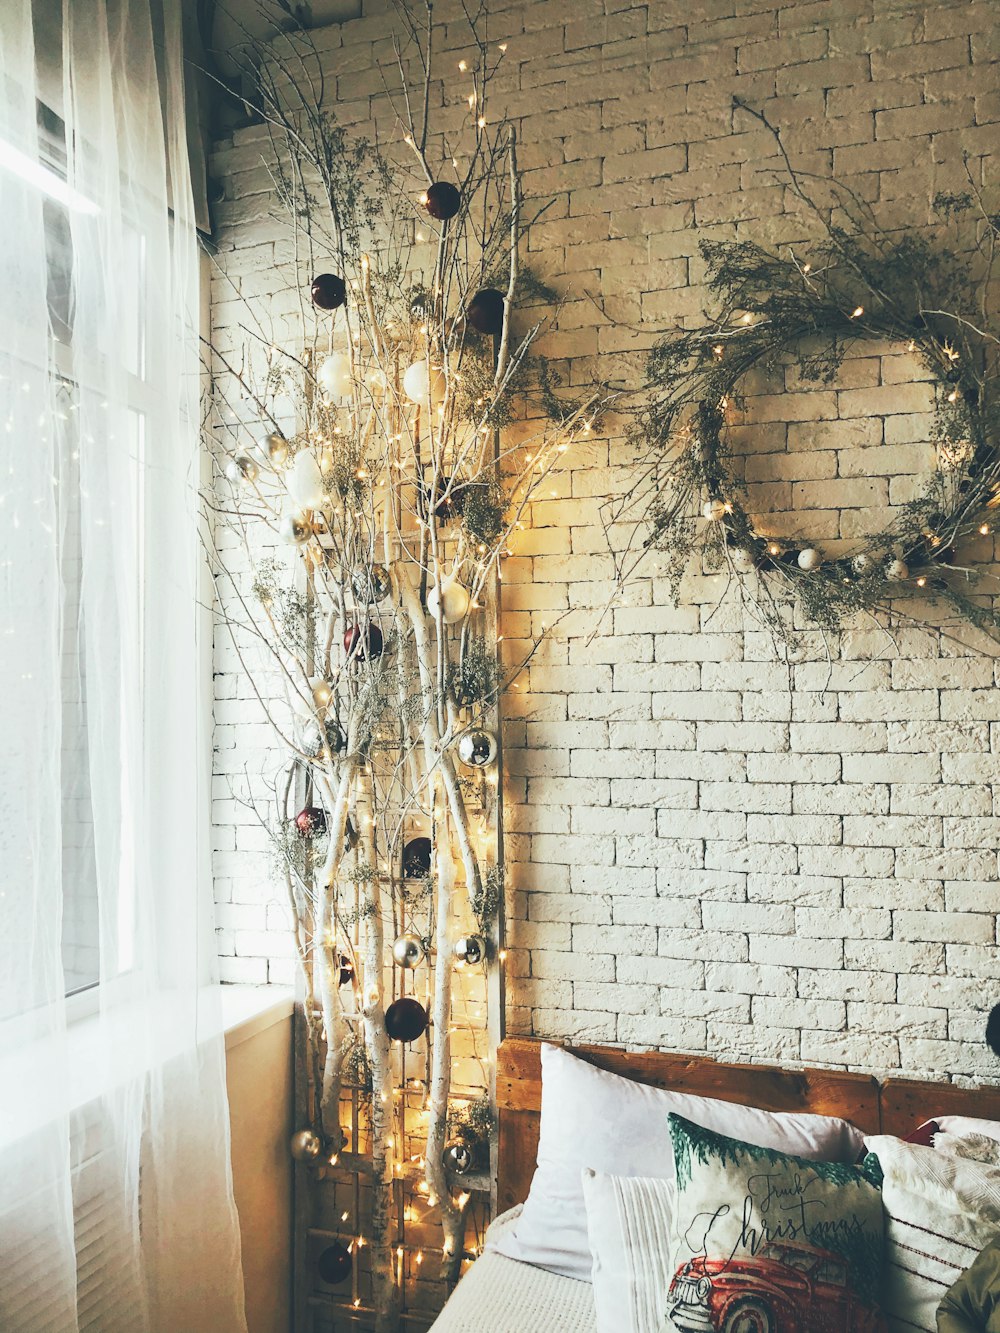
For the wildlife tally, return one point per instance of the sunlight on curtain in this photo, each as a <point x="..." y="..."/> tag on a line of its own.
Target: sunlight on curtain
<point x="116" y="1206"/>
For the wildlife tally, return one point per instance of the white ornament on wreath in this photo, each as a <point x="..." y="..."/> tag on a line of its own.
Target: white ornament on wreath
<point x="809" y="559"/>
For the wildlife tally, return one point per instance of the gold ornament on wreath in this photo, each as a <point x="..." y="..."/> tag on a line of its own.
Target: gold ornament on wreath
<point x="858" y="285"/>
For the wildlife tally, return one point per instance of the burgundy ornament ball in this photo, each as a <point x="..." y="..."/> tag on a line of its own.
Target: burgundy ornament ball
<point x="417" y="858"/>
<point x="334" y="1264"/>
<point x="405" y="1019"/>
<point x="364" y="642"/>
<point x="329" y="291"/>
<point x="311" y="821"/>
<point x="485" y="312"/>
<point x="442" y="200"/>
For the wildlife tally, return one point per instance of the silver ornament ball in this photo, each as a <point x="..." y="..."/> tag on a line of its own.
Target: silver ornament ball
<point x="371" y="585"/>
<point x="408" y="951"/>
<point x="314" y="735"/>
<point x="294" y="529"/>
<point x="478" y="748"/>
<point x="241" y="471"/>
<point x="306" y="1145"/>
<point x="470" y="949"/>
<point x="459" y="1155"/>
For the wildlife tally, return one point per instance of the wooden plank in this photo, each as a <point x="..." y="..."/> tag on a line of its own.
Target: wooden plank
<point x="907" y="1103"/>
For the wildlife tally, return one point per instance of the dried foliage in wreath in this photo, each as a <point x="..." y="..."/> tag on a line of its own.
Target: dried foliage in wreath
<point x="931" y="296"/>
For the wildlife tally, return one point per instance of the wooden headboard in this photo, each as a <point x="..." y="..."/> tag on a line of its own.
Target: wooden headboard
<point x="896" y="1106"/>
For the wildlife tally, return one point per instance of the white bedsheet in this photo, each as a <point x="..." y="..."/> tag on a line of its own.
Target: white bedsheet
<point x="501" y="1295"/>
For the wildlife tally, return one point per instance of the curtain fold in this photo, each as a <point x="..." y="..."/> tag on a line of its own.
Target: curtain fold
<point x="116" y="1206"/>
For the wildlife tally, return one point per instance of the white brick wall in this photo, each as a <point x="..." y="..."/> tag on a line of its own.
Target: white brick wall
<point x="709" y="850"/>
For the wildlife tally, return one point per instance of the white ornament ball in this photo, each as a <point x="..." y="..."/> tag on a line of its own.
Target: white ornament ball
<point x="294" y="529"/>
<point x="408" y="951"/>
<point x="334" y="375"/>
<point x="451" y="603"/>
<point x="478" y="748"/>
<point x="305" y="481"/>
<point x="744" y="561"/>
<point x="810" y="558"/>
<point x="241" y="471"/>
<point x="897" y="571"/>
<point x="421" y="381"/>
<point x="713" y="509"/>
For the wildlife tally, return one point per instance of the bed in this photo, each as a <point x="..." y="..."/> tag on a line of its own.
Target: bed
<point x="500" y="1295"/>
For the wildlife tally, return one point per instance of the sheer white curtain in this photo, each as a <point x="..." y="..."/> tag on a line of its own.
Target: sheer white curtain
<point x="116" y="1207"/>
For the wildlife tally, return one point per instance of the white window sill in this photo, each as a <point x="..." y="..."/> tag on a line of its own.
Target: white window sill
<point x="248" y="1010"/>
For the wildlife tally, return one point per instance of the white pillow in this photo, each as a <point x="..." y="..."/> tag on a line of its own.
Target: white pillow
<point x="628" y="1226"/>
<point x="591" y="1118"/>
<point x="963" y="1126"/>
<point x="940" y="1210"/>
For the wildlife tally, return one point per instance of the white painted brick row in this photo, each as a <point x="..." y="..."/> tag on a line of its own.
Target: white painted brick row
<point x="709" y="850"/>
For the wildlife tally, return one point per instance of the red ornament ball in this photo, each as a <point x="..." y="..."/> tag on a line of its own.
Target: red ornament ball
<point x="364" y="642"/>
<point x="485" y="312"/>
<point x="329" y="291"/>
<point x="405" y="1019"/>
<point x="417" y="858"/>
<point x="334" y="1264"/>
<point x="311" y="821"/>
<point x="442" y="200"/>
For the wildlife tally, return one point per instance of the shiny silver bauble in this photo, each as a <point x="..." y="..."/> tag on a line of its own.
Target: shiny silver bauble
<point x="241" y="471"/>
<point x="306" y="1145"/>
<point x="478" y="748"/>
<point x="371" y="584"/>
<point x="459" y="1155"/>
<point x="470" y="949"/>
<point x="408" y="951"/>
<point x="294" y="529"/>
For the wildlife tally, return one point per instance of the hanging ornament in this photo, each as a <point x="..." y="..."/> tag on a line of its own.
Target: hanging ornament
<point x="311" y="821"/>
<point x="408" y="951"/>
<point x="485" y="311"/>
<point x="405" y="1019"/>
<point x="305" y="481"/>
<point x="294" y="529"/>
<point x="334" y="1264"/>
<point x="276" y="448"/>
<point x="371" y="584"/>
<point x="417" y="858"/>
<point x="241" y="471"/>
<point x="316" y="734"/>
<point x="442" y="200"/>
<point x="422" y="381"/>
<point x="449" y="496"/>
<point x="334" y="375"/>
<point x="743" y="559"/>
<point x="459" y="1156"/>
<point x="306" y="1145"/>
<point x="478" y="748"/>
<point x="861" y="563"/>
<point x="714" y="510"/>
<point x="329" y="291"/>
<point x="897" y="571"/>
<point x="346" y="970"/>
<point x="470" y="949"/>
<point x="364" y="642"/>
<point x="451" y="603"/>
<point x="810" y="558"/>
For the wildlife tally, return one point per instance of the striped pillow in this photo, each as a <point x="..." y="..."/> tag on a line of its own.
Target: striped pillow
<point x="940" y="1210"/>
<point x="628" y="1227"/>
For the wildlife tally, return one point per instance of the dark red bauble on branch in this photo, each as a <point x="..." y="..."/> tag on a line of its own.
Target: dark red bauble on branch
<point x="405" y="1019"/>
<point x="485" y="312"/>
<point x="311" y="821"/>
<point x="364" y="642"/>
<point x="329" y="291"/>
<point x="442" y="200"/>
<point x="417" y="858"/>
<point x="334" y="1264"/>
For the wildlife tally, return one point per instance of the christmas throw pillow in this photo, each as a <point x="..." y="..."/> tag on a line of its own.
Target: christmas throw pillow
<point x="763" y="1242"/>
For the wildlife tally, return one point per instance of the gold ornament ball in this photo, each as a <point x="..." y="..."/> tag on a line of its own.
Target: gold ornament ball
<point x="897" y="571"/>
<point x="294" y="529"/>
<point x="306" y="1145"/>
<point x="241" y="470"/>
<point x="276" y="448"/>
<point x="713" y="509"/>
<point x="809" y="559"/>
<point x="408" y="951"/>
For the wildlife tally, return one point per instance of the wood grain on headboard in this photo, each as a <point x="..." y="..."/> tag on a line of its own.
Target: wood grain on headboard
<point x="519" y="1095"/>
<point x="906" y="1103"/>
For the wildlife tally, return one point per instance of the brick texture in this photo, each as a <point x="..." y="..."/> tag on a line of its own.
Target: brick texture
<point x="710" y="850"/>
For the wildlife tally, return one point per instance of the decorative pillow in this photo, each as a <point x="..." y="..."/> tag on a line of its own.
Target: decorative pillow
<point x="764" y="1242"/>
<point x="601" y="1120"/>
<point x="974" y="1301"/>
<point x="628" y="1225"/>
<point x="941" y="1208"/>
